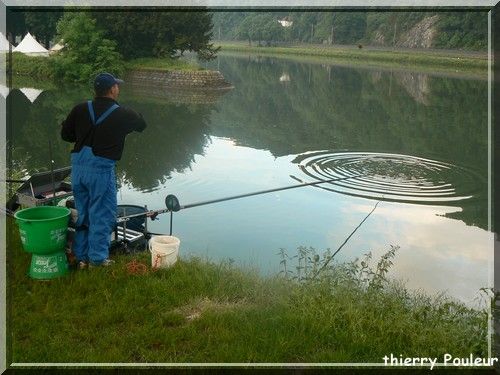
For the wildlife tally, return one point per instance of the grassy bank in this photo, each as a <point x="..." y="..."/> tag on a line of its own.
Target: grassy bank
<point x="36" y="67"/>
<point x="162" y="64"/>
<point x="444" y="61"/>
<point x="200" y="311"/>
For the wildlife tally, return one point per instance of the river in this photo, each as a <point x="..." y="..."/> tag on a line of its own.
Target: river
<point x="415" y="143"/>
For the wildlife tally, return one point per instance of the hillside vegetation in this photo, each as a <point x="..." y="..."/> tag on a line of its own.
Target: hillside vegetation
<point x="450" y="30"/>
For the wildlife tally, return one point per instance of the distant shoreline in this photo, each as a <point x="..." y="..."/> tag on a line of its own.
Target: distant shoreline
<point x="468" y="63"/>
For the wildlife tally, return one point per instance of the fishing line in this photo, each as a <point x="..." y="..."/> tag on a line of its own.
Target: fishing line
<point x="347" y="239"/>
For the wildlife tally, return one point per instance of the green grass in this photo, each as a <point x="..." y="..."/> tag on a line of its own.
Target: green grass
<point x="35" y="67"/>
<point x="162" y="64"/>
<point x="199" y="311"/>
<point x="39" y="68"/>
<point x="444" y="62"/>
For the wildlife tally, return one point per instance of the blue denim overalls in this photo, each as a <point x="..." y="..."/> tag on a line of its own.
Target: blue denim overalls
<point x="94" y="189"/>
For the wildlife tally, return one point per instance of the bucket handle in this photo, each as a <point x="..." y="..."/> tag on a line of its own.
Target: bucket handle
<point x="157" y="256"/>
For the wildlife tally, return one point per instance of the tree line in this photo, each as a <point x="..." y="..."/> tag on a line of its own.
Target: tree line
<point x="136" y="33"/>
<point x="468" y="30"/>
<point x="98" y="40"/>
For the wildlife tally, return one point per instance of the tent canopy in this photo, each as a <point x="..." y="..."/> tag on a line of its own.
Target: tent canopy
<point x="29" y="46"/>
<point x="57" y="47"/>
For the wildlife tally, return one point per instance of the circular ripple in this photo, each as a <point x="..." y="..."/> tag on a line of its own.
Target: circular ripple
<point x="390" y="177"/>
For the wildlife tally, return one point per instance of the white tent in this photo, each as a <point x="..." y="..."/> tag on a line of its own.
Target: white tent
<point x="4" y="43"/>
<point x="31" y="93"/>
<point x="29" y="46"/>
<point x="57" y="47"/>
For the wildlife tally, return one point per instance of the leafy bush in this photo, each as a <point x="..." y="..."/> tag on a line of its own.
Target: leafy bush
<point x="86" y="52"/>
<point x="33" y="66"/>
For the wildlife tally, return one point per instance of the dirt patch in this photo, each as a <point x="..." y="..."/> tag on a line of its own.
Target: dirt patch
<point x="194" y="310"/>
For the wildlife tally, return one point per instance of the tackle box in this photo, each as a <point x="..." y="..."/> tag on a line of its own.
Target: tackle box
<point x="44" y="188"/>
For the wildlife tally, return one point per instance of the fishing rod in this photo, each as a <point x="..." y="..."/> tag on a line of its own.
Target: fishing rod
<point x="52" y="174"/>
<point x="151" y="214"/>
<point x="173" y="205"/>
<point x="259" y="192"/>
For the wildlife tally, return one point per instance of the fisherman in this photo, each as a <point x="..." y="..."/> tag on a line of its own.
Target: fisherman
<point x="98" y="128"/>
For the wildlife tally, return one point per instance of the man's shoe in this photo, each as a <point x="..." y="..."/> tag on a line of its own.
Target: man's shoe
<point x="81" y="265"/>
<point x="105" y="263"/>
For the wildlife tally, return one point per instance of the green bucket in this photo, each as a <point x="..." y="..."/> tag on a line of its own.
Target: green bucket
<point x="48" y="266"/>
<point x="43" y="229"/>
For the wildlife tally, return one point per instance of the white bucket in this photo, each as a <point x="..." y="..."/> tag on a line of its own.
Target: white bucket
<point x="164" y="251"/>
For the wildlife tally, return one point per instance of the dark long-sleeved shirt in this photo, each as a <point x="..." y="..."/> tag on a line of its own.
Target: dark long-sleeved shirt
<point x="106" y="139"/>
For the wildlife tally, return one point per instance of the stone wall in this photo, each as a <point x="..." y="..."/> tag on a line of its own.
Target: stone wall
<point x="183" y="96"/>
<point x="199" y="79"/>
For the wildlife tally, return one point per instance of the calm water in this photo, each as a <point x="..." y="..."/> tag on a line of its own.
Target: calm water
<point x="413" y="142"/>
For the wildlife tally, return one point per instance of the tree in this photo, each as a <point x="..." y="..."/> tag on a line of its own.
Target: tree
<point x="463" y="30"/>
<point x="86" y="51"/>
<point x="16" y="24"/>
<point x="43" y="25"/>
<point x="303" y="26"/>
<point x="260" y="27"/>
<point x="244" y="30"/>
<point x="272" y="29"/>
<point x="159" y="33"/>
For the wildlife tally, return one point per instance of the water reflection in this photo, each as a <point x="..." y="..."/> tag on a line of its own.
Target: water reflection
<point x="390" y="177"/>
<point x="436" y="255"/>
<point x="420" y="141"/>
<point x="178" y="96"/>
<point x="343" y="109"/>
<point x="4" y="91"/>
<point x="353" y="112"/>
<point x="31" y="93"/>
<point x="175" y="133"/>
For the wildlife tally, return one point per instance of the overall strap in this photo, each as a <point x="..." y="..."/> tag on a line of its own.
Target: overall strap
<point x="94" y="122"/>
<point x="91" y="111"/>
<point x="103" y="116"/>
<point x="107" y="113"/>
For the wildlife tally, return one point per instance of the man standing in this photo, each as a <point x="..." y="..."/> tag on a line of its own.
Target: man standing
<point x="98" y="128"/>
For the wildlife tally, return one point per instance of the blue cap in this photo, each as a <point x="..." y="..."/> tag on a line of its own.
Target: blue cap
<point x="105" y="81"/>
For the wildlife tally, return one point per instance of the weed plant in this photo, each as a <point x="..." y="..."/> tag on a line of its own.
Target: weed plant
<point x="376" y="312"/>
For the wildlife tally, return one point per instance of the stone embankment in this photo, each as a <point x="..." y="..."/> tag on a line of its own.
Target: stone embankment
<point x="199" y="79"/>
<point x="176" y="86"/>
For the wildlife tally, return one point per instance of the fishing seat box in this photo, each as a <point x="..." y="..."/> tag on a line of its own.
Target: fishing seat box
<point x="38" y="190"/>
